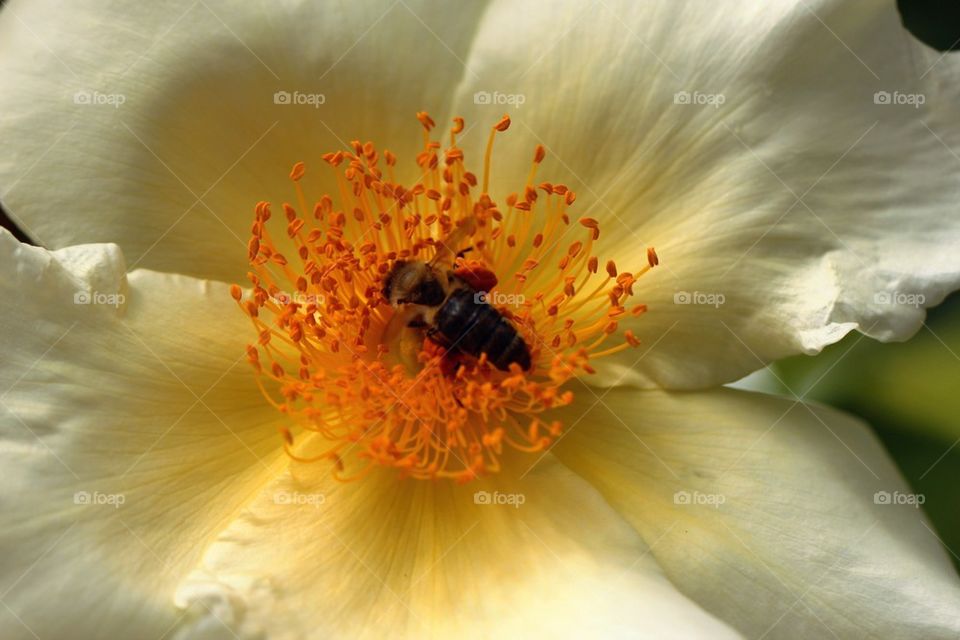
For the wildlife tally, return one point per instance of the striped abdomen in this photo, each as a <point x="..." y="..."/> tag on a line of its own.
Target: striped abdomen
<point x="473" y="327"/>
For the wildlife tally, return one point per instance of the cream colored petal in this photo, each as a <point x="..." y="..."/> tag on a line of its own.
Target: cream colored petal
<point x="155" y="125"/>
<point x="785" y="520"/>
<point x="744" y="142"/>
<point x="131" y="433"/>
<point x="546" y="557"/>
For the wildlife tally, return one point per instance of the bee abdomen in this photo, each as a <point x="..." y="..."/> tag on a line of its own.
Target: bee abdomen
<point x="475" y="327"/>
<point x="504" y="346"/>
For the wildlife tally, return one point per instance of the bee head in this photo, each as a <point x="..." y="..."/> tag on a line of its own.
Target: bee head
<point x="413" y="282"/>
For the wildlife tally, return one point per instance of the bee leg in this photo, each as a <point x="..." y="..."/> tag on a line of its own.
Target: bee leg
<point x="402" y="342"/>
<point x="417" y="323"/>
<point x="400" y="319"/>
<point x="465" y="251"/>
<point x="437" y="338"/>
<point x="450" y="366"/>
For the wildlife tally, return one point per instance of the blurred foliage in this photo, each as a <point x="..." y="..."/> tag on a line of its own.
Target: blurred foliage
<point x="910" y="393"/>
<point x="936" y="22"/>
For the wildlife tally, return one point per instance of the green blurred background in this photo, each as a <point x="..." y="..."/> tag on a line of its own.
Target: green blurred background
<point x="910" y="393"/>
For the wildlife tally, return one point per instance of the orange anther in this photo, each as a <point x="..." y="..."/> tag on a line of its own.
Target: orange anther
<point x="297" y="172"/>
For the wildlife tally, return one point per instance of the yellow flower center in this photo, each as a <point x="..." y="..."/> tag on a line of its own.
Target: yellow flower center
<point x="347" y="365"/>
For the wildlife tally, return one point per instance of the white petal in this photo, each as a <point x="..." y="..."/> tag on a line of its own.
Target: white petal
<point x="131" y="432"/>
<point x="380" y="558"/>
<point x="767" y="513"/>
<point x="173" y="172"/>
<point x="800" y="201"/>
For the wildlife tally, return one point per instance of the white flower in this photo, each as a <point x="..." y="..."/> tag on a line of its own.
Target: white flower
<point x="792" y="198"/>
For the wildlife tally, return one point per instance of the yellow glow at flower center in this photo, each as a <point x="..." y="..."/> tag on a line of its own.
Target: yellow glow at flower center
<point x="328" y="357"/>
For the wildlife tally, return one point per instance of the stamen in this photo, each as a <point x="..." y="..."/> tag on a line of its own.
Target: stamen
<point x="334" y="357"/>
<point x="502" y="125"/>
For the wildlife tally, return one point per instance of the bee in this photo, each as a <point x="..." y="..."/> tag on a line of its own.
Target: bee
<point x="449" y="305"/>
